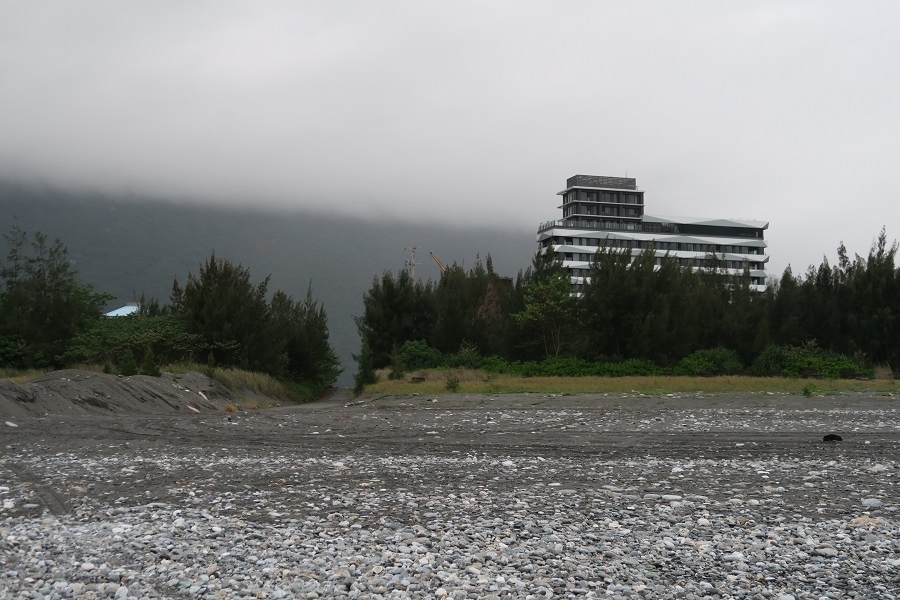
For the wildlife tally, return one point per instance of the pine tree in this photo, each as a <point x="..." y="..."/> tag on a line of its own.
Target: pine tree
<point x="395" y="310"/>
<point x="365" y="374"/>
<point x="127" y="364"/>
<point x="42" y="305"/>
<point x="550" y="308"/>
<point x="148" y="365"/>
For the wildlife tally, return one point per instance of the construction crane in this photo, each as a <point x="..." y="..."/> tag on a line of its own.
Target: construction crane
<point x="440" y="266"/>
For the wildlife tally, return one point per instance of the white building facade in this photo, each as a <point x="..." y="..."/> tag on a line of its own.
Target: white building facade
<point x="608" y="212"/>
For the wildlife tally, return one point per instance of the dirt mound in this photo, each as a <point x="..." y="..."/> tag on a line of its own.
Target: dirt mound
<point x="73" y="392"/>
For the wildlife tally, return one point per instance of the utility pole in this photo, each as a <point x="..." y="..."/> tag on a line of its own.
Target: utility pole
<point x="411" y="261"/>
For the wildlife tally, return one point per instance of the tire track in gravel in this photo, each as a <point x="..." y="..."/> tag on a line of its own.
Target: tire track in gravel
<point x="53" y="501"/>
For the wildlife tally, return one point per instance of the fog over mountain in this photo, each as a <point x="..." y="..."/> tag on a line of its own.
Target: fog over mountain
<point x="137" y="246"/>
<point x="468" y="112"/>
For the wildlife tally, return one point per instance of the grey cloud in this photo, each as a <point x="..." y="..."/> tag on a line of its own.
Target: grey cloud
<point x="470" y="111"/>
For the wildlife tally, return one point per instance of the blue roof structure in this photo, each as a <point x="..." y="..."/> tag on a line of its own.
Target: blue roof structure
<point x="129" y="309"/>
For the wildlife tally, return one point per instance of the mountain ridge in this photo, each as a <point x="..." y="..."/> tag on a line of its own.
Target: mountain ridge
<point x="131" y="246"/>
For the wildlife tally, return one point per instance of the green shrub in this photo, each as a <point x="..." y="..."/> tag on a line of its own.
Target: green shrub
<point x="452" y="384"/>
<point x="495" y="364"/>
<point x="365" y="373"/>
<point x="566" y="367"/>
<point x="12" y="351"/>
<point x="808" y="360"/>
<point x="148" y="365"/>
<point x="398" y="365"/>
<point x="467" y="357"/>
<point x="576" y="367"/>
<point x="528" y="368"/>
<point x="127" y="365"/>
<point x="770" y="362"/>
<point x="713" y="361"/>
<point x="633" y="367"/>
<point x="419" y="355"/>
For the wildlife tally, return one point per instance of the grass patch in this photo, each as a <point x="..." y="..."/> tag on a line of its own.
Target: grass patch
<point x="21" y="375"/>
<point x="238" y="380"/>
<point x="884" y="372"/>
<point x="476" y="382"/>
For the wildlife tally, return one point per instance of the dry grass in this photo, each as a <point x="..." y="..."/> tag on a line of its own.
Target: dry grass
<point x="258" y="383"/>
<point x="884" y="372"/>
<point x="477" y="382"/>
<point x="20" y="376"/>
<point x="184" y="367"/>
<point x="25" y="375"/>
<point x="230" y="408"/>
<point x="238" y="380"/>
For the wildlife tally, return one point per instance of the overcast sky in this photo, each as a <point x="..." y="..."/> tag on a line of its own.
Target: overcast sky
<point x="786" y="112"/>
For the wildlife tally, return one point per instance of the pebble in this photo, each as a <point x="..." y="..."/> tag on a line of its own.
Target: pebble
<point x="154" y="521"/>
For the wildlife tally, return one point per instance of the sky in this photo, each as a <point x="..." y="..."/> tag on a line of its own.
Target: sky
<point x="469" y="112"/>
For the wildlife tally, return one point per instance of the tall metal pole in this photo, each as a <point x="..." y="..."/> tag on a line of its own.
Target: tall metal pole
<point x="411" y="262"/>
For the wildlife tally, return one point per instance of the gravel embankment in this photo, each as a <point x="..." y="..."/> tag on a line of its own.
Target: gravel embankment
<point x="523" y="496"/>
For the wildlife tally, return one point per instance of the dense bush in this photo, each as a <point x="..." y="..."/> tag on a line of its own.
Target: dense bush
<point x="148" y="365"/>
<point x="398" y="365"/>
<point x="365" y="373"/>
<point x="166" y="336"/>
<point x="12" y="351"/>
<point x="127" y="365"/>
<point x="419" y="355"/>
<point x="770" y="362"/>
<point x="495" y="364"/>
<point x="632" y="367"/>
<point x="572" y="367"/>
<point x="713" y="361"/>
<point x="566" y="367"/>
<point x="452" y="384"/>
<point x="808" y="360"/>
<point x="529" y="368"/>
<point x="467" y="357"/>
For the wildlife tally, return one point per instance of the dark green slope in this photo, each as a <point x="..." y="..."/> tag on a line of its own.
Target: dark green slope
<point x="132" y="246"/>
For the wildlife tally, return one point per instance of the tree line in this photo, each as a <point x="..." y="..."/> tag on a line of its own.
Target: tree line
<point x="834" y="319"/>
<point x="219" y="317"/>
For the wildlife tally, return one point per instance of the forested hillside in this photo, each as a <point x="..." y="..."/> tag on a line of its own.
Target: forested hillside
<point x="129" y="246"/>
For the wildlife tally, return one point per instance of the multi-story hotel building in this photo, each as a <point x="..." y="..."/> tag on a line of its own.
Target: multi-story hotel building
<point x="608" y="212"/>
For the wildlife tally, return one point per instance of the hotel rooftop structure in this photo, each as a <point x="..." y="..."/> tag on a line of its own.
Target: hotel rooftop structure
<point x="608" y="212"/>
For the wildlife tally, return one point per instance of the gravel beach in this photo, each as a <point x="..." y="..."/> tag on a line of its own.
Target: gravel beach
<point x="459" y="496"/>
